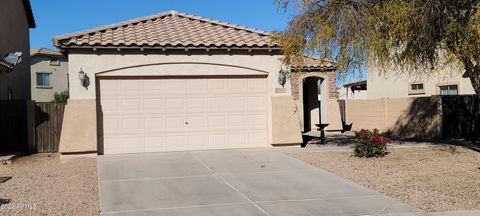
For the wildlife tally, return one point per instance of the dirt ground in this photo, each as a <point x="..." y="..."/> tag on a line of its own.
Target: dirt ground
<point x="44" y="184"/>
<point x="435" y="179"/>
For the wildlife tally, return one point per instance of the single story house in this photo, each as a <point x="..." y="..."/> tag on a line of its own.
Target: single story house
<point x="16" y="20"/>
<point x="49" y="69"/>
<point x="174" y="82"/>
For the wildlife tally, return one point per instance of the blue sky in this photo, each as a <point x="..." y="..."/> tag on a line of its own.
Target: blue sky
<point x="58" y="17"/>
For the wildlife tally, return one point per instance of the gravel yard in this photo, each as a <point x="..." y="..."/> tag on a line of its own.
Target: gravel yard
<point x="44" y="184"/>
<point x="435" y="179"/>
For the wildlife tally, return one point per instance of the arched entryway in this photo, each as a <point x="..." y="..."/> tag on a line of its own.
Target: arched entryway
<point x="312" y="111"/>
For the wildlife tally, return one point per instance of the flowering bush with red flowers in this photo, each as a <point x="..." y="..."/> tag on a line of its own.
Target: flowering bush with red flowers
<point x="370" y="143"/>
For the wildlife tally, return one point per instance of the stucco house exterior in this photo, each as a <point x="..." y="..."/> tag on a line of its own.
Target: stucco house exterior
<point x="173" y="82"/>
<point x="49" y="72"/>
<point x="16" y="19"/>
<point x="443" y="80"/>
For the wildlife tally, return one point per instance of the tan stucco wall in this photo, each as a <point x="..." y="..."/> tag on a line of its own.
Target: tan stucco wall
<point x="14" y="37"/>
<point x="406" y="117"/>
<point x="79" y="129"/>
<point x="58" y="77"/>
<point x="286" y="127"/>
<point x="96" y="62"/>
<point x="394" y="84"/>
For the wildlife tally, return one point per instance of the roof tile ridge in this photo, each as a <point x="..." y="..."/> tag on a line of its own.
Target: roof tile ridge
<point x="222" y="23"/>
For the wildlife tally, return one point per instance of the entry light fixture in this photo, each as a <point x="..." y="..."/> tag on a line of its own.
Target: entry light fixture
<point x="84" y="79"/>
<point x="282" y="77"/>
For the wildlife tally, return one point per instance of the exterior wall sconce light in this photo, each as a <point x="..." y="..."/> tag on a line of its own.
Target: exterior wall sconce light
<point x="282" y="77"/>
<point x="84" y="79"/>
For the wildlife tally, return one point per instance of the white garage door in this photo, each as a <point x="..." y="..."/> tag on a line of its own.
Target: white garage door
<point x="153" y="115"/>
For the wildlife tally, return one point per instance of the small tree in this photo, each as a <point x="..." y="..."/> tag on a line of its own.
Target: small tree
<point x="61" y="97"/>
<point x="417" y="35"/>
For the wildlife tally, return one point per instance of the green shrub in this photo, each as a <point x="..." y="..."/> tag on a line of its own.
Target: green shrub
<point x="370" y="144"/>
<point x="61" y="97"/>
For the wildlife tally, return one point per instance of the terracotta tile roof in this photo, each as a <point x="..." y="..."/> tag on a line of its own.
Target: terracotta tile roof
<point x="311" y="63"/>
<point x="45" y="51"/>
<point x="169" y="30"/>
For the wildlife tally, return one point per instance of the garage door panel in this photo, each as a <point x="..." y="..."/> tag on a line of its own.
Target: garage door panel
<point x="156" y="115"/>
<point x="256" y="85"/>
<point x="196" y="85"/>
<point x="256" y="120"/>
<point x="216" y="84"/>
<point x="154" y="143"/>
<point x="153" y="85"/>
<point x="196" y="141"/>
<point x="175" y="122"/>
<point x="133" y="144"/>
<point x="110" y="105"/>
<point x="215" y="121"/>
<point x="197" y="103"/>
<point x="217" y="139"/>
<point x="255" y="138"/>
<point x="152" y="104"/>
<point x="131" y="105"/>
<point x="216" y="103"/>
<point x="236" y="102"/>
<point x="256" y="102"/>
<point x="175" y="141"/>
<point x="155" y="123"/>
<point x="174" y="103"/>
<point x="236" y="121"/>
<point x="174" y="86"/>
<point x="130" y="85"/>
<point x="132" y="123"/>
<point x="196" y="122"/>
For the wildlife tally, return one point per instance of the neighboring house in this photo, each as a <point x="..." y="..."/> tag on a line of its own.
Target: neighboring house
<point x="448" y="80"/>
<point x="173" y="81"/>
<point x="16" y="19"/>
<point x="353" y="91"/>
<point x="49" y="70"/>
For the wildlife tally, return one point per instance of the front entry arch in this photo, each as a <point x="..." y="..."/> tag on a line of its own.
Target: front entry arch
<point x="313" y="111"/>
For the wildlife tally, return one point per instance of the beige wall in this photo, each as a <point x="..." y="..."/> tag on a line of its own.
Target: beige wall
<point x="394" y="84"/>
<point x="286" y="127"/>
<point x="345" y="93"/>
<point x="79" y="128"/>
<point x="14" y="37"/>
<point x="97" y="62"/>
<point x="58" y="77"/>
<point x="405" y="117"/>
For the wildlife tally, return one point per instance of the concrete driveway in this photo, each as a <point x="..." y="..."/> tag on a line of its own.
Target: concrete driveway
<point x="232" y="182"/>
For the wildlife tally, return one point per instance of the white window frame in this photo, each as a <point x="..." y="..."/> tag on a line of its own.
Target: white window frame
<point x="416" y="91"/>
<point x="49" y="77"/>
<point x="448" y="85"/>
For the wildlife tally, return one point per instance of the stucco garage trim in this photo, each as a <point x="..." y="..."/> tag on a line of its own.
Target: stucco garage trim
<point x="179" y="69"/>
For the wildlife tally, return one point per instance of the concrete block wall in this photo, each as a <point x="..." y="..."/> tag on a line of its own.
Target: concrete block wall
<point x="405" y="117"/>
